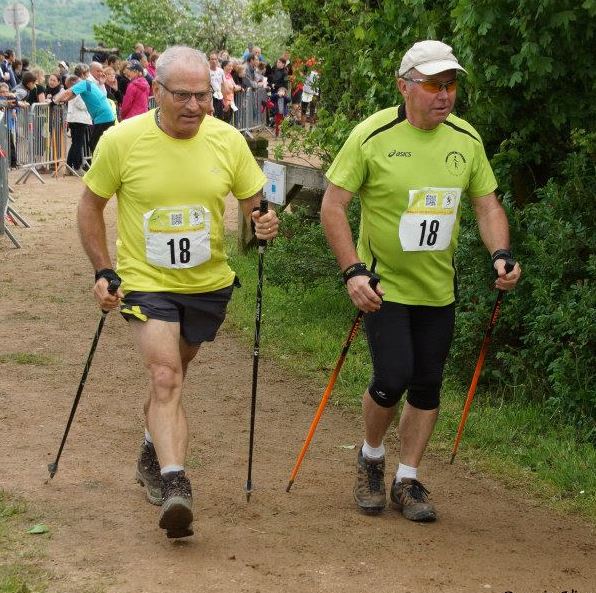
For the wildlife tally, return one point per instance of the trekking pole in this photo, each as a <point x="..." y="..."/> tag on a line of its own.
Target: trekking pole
<point x="315" y="421"/>
<point x="509" y="264"/>
<point x="53" y="467"/>
<point x="255" y="359"/>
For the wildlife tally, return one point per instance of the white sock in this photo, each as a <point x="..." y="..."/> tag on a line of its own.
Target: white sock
<point x="148" y="438"/>
<point x="405" y="471"/>
<point x="171" y="468"/>
<point x="373" y="452"/>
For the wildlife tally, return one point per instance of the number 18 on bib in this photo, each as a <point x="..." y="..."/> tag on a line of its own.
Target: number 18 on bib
<point x="178" y="237"/>
<point x="428" y="222"/>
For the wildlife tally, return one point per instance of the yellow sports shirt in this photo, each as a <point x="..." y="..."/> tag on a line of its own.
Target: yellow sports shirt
<point x="171" y="197"/>
<point x="411" y="183"/>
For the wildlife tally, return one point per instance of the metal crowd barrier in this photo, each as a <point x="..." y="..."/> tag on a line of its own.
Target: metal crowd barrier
<point x="4" y="155"/>
<point x="7" y="212"/>
<point x="42" y="144"/>
<point x="252" y="110"/>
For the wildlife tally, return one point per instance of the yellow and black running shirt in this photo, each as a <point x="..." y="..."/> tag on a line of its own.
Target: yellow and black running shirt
<point x="171" y="198"/>
<point x="411" y="183"/>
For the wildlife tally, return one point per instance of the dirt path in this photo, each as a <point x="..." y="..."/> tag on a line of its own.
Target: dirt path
<point x="104" y="536"/>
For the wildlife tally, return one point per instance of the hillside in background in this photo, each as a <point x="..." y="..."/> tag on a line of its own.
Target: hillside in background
<point x="60" y="26"/>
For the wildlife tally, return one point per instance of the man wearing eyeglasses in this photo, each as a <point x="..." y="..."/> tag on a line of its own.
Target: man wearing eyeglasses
<point x="412" y="166"/>
<point x="171" y="170"/>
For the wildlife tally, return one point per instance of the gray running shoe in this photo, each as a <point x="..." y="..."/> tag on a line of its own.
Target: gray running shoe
<point x="369" y="490"/>
<point x="176" y="511"/>
<point x="411" y="498"/>
<point x="148" y="474"/>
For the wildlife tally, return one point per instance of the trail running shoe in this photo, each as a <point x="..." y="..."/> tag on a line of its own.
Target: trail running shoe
<point x="176" y="511"/>
<point x="148" y="474"/>
<point x="411" y="498"/>
<point x="369" y="490"/>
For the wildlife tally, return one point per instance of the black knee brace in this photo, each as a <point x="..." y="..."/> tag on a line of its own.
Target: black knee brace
<point x="384" y="395"/>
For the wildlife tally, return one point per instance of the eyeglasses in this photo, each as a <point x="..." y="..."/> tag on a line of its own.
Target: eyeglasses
<point x="185" y="96"/>
<point x="434" y="86"/>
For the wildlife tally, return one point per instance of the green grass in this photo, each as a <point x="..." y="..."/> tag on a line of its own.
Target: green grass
<point x="9" y="507"/>
<point x="521" y="444"/>
<point x="305" y="329"/>
<point x="27" y="358"/>
<point x="11" y="582"/>
<point x="19" y="554"/>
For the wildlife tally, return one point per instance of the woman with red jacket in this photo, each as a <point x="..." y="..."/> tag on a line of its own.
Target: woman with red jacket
<point x="136" y="97"/>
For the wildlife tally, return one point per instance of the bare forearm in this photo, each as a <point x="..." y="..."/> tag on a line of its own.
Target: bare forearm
<point x="337" y="230"/>
<point x="339" y="236"/>
<point x="250" y="204"/>
<point x="492" y="224"/>
<point x="64" y="96"/>
<point x="92" y="231"/>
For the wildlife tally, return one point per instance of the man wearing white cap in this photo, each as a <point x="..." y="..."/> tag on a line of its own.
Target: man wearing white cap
<point x="412" y="166"/>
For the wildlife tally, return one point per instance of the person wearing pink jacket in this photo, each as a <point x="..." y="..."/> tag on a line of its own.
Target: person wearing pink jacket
<point x="136" y="98"/>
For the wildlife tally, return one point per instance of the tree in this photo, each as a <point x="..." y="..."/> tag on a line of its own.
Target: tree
<point x="156" y="22"/>
<point x="229" y="24"/>
<point x="530" y="70"/>
<point x="531" y="80"/>
<point x="204" y="24"/>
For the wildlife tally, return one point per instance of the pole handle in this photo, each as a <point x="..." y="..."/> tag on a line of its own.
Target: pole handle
<point x="113" y="287"/>
<point x="263" y="209"/>
<point x="509" y="264"/>
<point x="374" y="281"/>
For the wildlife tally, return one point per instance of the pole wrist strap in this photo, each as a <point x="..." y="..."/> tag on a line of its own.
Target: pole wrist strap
<point x="506" y="255"/>
<point x="357" y="269"/>
<point x="501" y="254"/>
<point x="109" y="274"/>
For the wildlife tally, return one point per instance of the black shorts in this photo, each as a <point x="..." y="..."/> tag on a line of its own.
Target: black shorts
<point x="199" y="315"/>
<point x="408" y="346"/>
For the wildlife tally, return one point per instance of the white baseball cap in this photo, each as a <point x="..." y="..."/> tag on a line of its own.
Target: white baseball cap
<point x="429" y="57"/>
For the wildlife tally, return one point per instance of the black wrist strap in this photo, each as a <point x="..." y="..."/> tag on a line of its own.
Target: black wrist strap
<point x="109" y="274"/>
<point x="357" y="269"/>
<point x="506" y="255"/>
<point x="501" y="254"/>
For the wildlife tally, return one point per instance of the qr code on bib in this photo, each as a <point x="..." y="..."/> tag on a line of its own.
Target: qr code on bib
<point x="176" y="219"/>
<point x="430" y="200"/>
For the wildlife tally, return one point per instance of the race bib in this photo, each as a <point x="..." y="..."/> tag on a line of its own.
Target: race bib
<point x="427" y="224"/>
<point x="178" y="237"/>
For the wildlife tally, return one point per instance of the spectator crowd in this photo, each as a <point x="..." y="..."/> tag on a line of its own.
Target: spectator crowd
<point x="111" y="89"/>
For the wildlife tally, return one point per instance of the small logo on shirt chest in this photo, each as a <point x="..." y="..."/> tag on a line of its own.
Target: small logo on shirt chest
<point x="396" y="153"/>
<point x="455" y="163"/>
